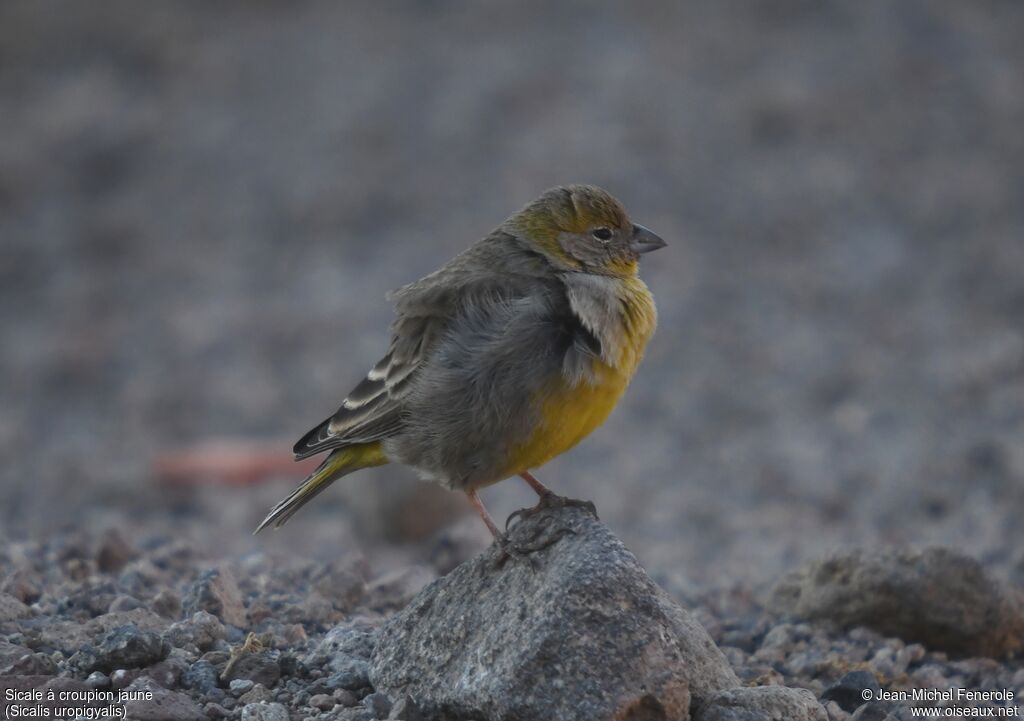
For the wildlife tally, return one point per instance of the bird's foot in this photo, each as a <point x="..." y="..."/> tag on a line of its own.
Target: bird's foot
<point x="507" y="550"/>
<point x="551" y="500"/>
<point x="523" y="551"/>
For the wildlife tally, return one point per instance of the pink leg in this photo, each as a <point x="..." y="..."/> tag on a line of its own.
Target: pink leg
<point x="536" y="485"/>
<point x="478" y="505"/>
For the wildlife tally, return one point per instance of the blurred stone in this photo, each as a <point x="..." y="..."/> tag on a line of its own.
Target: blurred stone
<point x="405" y="709"/>
<point x="378" y="704"/>
<point x="202" y="630"/>
<point x="481" y="641"/>
<point x="22" y="584"/>
<point x="168" y="673"/>
<point x="322" y="701"/>
<point x="848" y="690"/>
<point x="343" y="583"/>
<point x="98" y="680"/>
<point x="11" y="609"/>
<point x="874" y="711"/>
<point x="121" y="678"/>
<point x="342" y="644"/>
<point x="257" y="694"/>
<point x="264" y="712"/>
<point x="164" y="705"/>
<point x="240" y="685"/>
<point x="344" y="697"/>
<point x="216" y="592"/>
<point x="262" y="668"/>
<point x="201" y="676"/>
<point x="20" y="661"/>
<point x="762" y="703"/>
<point x="215" y="711"/>
<point x="124" y="603"/>
<point x="167" y="603"/>
<point x="114" y="552"/>
<point x="395" y="589"/>
<point x="129" y="647"/>
<point x="938" y="597"/>
<point x="457" y="543"/>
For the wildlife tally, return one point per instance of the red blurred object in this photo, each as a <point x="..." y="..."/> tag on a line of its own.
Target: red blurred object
<point x="231" y="462"/>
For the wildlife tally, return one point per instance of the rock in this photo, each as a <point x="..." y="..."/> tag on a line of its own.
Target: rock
<point x="256" y="694"/>
<point x="23" y="584"/>
<point x="341" y="646"/>
<point x="201" y="676"/>
<point x="264" y="712"/>
<point x="378" y="704"/>
<point x="322" y="701"/>
<point x="168" y="673"/>
<point x="395" y="589"/>
<point x="17" y="660"/>
<point x="167" y="603"/>
<point x="142" y="618"/>
<point x="344" y="697"/>
<point x="874" y="711"/>
<point x="835" y="712"/>
<point x="120" y="679"/>
<point x="456" y="544"/>
<point x="215" y="711"/>
<point x="216" y="592"/>
<point x="11" y="609"/>
<point x="240" y="686"/>
<point x="343" y="582"/>
<point x="124" y="602"/>
<point x="114" y="552"/>
<point x="259" y="667"/>
<point x="130" y="647"/>
<point x="937" y="597"/>
<point x="162" y="705"/>
<point x="203" y="631"/>
<point x="98" y="680"/>
<point x="848" y="691"/>
<point x="406" y="710"/>
<point x="762" y="703"/>
<point x="482" y="641"/>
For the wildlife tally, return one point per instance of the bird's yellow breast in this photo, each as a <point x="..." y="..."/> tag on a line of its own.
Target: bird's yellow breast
<point x="569" y="413"/>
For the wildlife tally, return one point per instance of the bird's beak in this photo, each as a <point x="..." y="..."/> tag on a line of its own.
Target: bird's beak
<point x="644" y="241"/>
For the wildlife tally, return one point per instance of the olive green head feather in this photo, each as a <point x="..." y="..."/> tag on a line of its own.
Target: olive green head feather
<point x="580" y="227"/>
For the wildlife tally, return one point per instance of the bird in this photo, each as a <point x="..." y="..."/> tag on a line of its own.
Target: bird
<point x="504" y="358"/>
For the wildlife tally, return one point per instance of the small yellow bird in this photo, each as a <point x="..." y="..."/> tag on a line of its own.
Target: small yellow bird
<point x="506" y="357"/>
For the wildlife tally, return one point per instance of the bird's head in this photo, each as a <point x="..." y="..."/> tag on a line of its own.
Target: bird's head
<point x="583" y="228"/>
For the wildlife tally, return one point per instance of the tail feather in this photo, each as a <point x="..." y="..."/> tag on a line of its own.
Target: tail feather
<point x="339" y="463"/>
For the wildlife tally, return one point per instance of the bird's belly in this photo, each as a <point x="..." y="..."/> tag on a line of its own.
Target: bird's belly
<point x="568" y="415"/>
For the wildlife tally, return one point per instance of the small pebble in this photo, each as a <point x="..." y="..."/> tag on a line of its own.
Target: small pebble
<point x="322" y="701"/>
<point x="98" y="681"/>
<point x="240" y="686"/>
<point x="120" y="679"/>
<point x="256" y="694"/>
<point x="344" y="697"/>
<point x="215" y="711"/>
<point x="379" y="704"/>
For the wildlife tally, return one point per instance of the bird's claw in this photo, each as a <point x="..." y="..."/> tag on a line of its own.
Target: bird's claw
<point x="552" y="500"/>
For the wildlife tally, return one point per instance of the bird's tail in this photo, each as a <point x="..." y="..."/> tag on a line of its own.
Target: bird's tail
<point x="339" y="463"/>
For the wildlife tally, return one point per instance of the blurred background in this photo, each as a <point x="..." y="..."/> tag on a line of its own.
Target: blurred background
<point x="202" y="206"/>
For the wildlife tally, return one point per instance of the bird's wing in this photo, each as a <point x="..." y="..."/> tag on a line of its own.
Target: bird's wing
<point x="372" y="410"/>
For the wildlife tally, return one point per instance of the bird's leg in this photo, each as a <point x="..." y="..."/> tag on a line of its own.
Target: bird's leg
<point x="548" y="499"/>
<point x="508" y="550"/>
<point x="478" y="506"/>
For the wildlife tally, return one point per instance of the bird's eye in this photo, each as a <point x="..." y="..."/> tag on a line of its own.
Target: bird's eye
<point x="602" y="234"/>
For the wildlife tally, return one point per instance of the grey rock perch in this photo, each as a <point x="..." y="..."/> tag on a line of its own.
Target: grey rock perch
<point x="585" y="635"/>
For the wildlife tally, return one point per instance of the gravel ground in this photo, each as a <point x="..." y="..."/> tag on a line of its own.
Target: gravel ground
<point x="201" y="207"/>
